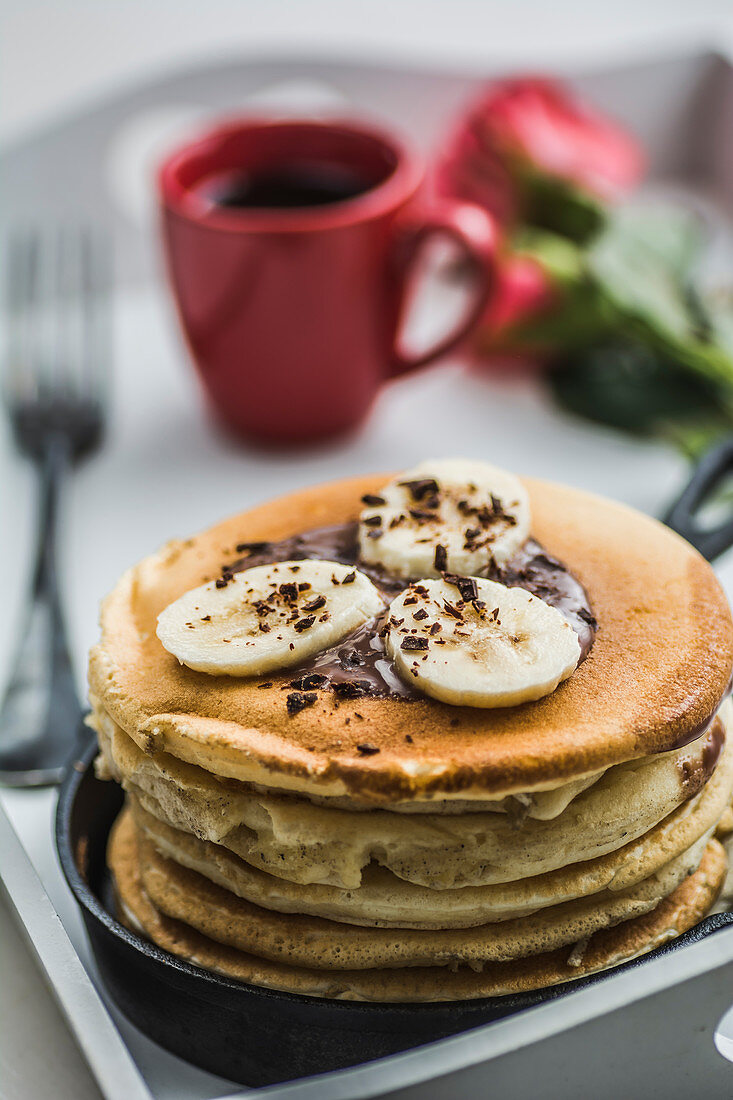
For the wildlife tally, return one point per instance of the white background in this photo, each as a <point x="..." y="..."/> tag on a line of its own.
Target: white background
<point x="165" y="471"/>
<point x="59" y="53"/>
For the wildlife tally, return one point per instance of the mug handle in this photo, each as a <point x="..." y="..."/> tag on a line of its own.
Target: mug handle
<point x="474" y="231"/>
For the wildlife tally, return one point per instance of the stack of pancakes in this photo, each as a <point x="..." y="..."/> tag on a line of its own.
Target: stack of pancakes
<point x="392" y="850"/>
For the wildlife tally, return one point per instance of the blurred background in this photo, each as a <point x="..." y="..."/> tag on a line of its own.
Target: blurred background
<point x="94" y="94"/>
<point x="596" y="136"/>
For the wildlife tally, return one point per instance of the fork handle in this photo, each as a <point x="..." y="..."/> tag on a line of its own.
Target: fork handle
<point x="52" y="467"/>
<point x="45" y="591"/>
<point x="41" y="695"/>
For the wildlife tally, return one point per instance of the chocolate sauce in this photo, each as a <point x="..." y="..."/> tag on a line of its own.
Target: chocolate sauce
<point x="544" y="576"/>
<point x="698" y="730"/>
<point x="359" y="665"/>
<point x="695" y="770"/>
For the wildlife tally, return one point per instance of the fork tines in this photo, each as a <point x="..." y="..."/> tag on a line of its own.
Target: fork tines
<point x="57" y="365"/>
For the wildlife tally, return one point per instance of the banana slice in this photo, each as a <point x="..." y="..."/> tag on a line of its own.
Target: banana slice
<point x="267" y="618"/>
<point x="452" y="514"/>
<point x="477" y="643"/>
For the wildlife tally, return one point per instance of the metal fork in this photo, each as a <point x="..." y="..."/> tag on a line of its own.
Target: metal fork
<point x="55" y="390"/>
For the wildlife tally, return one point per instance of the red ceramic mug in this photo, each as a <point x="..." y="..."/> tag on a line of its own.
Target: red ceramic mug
<point x="292" y="313"/>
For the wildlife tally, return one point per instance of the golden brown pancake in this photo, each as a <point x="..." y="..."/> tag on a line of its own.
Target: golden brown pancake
<point x="300" y="940"/>
<point x="683" y="908"/>
<point x="385" y="901"/>
<point x="658" y="670"/>
<point x="115" y="743"/>
<point x="292" y="839"/>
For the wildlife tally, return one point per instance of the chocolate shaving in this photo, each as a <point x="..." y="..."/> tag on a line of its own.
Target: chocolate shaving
<point x="366" y="749"/>
<point x="414" y="642"/>
<point x="298" y="700"/>
<point x="465" y="585"/>
<point x="349" y="658"/>
<point x="304" y="624"/>
<point x="349" y="578"/>
<point x="420" y="614"/>
<point x="372" y="500"/>
<point x="315" y="604"/>
<point x="289" y="590"/>
<point x="421" y="487"/>
<point x="352" y="689"/>
<point x="451" y="610"/>
<point x="372" y="521"/>
<point x="310" y="681"/>
<point x="440" y="560"/>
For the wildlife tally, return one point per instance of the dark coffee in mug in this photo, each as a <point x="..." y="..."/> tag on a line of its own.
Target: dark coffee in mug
<point x="296" y="184"/>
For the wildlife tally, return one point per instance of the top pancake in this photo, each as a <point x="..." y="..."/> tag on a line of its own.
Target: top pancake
<point x="658" y="670"/>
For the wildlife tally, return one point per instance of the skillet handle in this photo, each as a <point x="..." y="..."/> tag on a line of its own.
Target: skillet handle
<point x="708" y="475"/>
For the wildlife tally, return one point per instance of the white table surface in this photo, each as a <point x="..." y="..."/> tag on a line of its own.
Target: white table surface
<point x="165" y="471"/>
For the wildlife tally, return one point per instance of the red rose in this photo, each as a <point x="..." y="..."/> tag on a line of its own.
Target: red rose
<point x="528" y="148"/>
<point x="522" y="289"/>
<point x="523" y="293"/>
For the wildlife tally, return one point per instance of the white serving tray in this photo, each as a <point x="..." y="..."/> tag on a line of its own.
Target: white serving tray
<point x="648" y="1031"/>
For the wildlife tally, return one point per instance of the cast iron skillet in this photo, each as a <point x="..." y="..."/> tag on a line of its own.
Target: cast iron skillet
<point x="258" y="1036"/>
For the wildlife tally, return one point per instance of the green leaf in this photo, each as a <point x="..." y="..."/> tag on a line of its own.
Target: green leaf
<point x="578" y="321"/>
<point x="580" y="315"/>
<point x="674" y="236"/>
<point x="641" y="262"/>
<point x="717" y="307"/>
<point x="641" y="265"/>
<point x="635" y="346"/>
<point x="558" y="205"/>
<point x="562" y="260"/>
<point x="626" y="384"/>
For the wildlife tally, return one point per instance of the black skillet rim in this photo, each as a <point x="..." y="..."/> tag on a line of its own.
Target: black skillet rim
<point x="88" y="901"/>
